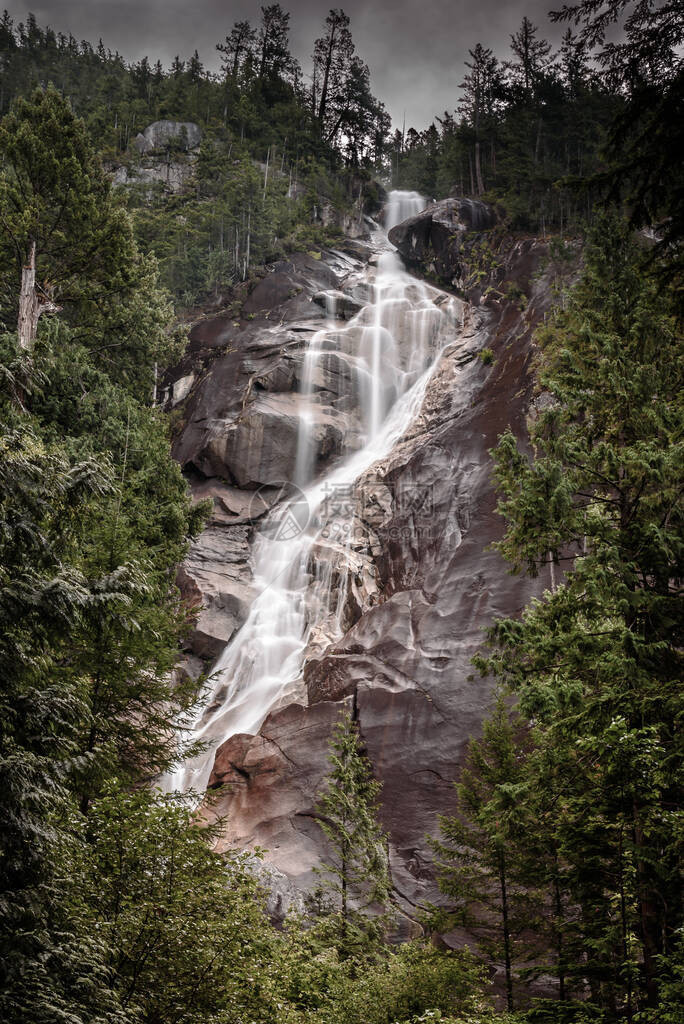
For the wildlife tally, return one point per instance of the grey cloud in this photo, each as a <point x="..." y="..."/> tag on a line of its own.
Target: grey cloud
<point x="416" y="49"/>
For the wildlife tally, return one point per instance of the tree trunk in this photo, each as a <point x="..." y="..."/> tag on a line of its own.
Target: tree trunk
<point x="558" y="913"/>
<point x="506" y="932"/>
<point x="537" y="143"/>
<point x="478" y="169"/>
<point x="651" y="925"/>
<point x="31" y="307"/>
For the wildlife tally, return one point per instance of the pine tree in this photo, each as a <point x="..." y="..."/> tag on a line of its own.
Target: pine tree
<point x="236" y="48"/>
<point x="477" y="106"/>
<point x="275" y="59"/>
<point x="357" y="873"/>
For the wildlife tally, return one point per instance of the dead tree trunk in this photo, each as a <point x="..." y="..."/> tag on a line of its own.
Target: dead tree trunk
<point x="33" y="302"/>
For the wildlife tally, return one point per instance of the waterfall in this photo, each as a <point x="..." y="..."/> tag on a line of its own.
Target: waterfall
<point x="302" y="561"/>
<point x="402" y="205"/>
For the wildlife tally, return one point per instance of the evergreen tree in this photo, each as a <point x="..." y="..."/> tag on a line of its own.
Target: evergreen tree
<point x="188" y="936"/>
<point x="533" y="58"/>
<point x="596" y="663"/>
<point x="331" y="60"/>
<point x="273" y="47"/>
<point x="62" y="234"/>
<point x="52" y="967"/>
<point x="574" y="64"/>
<point x="478" y="859"/>
<point x="357" y="874"/>
<point x="69" y="243"/>
<point x="480" y="87"/>
<point x="236" y="47"/>
<point x="646" y="65"/>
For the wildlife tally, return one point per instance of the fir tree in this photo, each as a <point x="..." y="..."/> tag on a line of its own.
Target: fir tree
<point x="357" y="873"/>
<point x="47" y="950"/>
<point x="331" y="59"/>
<point x="478" y="860"/>
<point x="533" y="57"/>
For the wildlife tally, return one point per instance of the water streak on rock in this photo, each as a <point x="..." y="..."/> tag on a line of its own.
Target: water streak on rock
<point x="303" y="568"/>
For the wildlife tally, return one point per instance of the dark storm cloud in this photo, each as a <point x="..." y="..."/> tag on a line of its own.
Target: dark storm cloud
<point x="415" y="48"/>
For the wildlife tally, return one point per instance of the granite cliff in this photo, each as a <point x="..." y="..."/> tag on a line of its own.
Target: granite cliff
<point x="419" y="582"/>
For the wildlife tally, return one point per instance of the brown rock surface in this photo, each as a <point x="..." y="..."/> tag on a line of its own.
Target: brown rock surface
<point x="432" y="583"/>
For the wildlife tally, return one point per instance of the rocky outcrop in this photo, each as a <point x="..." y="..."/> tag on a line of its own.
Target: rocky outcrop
<point x="426" y="582"/>
<point x="163" y="155"/>
<point x="170" y="175"/>
<point x="434" y="239"/>
<point x="160" y="134"/>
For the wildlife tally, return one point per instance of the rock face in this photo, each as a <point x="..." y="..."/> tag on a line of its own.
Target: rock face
<point x="159" y="134"/>
<point x="428" y="519"/>
<point x="173" y="175"/>
<point x="435" y="237"/>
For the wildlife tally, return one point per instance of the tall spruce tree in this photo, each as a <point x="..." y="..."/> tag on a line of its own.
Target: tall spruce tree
<point x="478" y="853"/>
<point x="357" y="873"/>
<point x="597" y="663"/>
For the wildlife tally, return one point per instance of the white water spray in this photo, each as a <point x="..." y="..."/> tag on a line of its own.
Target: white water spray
<point x="402" y="205"/>
<point x="391" y="348"/>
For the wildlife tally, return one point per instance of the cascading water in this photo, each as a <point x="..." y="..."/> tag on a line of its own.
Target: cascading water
<point x="390" y="349"/>
<point x="402" y="205"/>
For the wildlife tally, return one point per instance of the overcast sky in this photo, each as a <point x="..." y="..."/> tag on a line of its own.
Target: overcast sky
<point x="415" y="48"/>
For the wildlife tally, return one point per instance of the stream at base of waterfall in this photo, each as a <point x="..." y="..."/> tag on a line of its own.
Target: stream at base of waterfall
<point x="306" y="549"/>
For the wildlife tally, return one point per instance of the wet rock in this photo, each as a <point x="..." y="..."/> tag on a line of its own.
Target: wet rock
<point x="282" y="896"/>
<point x="269" y="785"/>
<point x="216" y="576"/>
<point x="435" y="237"/>
<point x="338" y="304"/>
<point x="425" y="582"/>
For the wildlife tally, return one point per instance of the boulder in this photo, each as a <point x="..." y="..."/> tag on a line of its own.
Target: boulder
<point x="434" y="238"/>
<point x="159" y="134"/>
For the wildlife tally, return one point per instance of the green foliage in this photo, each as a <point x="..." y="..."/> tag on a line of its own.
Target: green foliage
<point x="596" y="664"/>
<point x="415" y="979"/>
<point x="357" y="873"/>
<point x="55" y="196"/>
<point x="644" y="141"/>
<point x="93" y="517"/>
<point x="267" y="161"/>
<point x="51" y="965"/>
<point x="477" y="854"/>
<point x="186" y="931"/>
